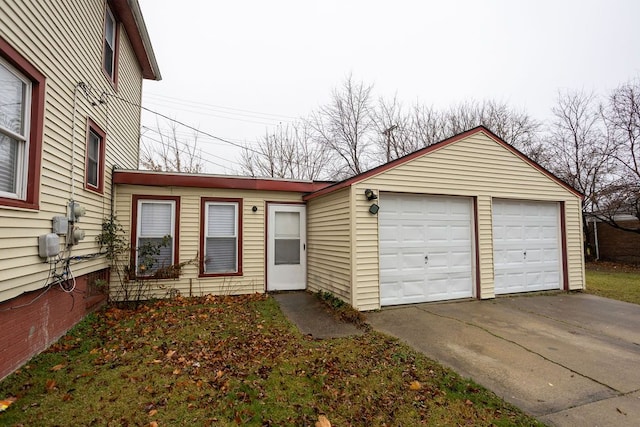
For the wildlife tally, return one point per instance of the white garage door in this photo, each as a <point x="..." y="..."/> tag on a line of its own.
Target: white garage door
<point x="425" y="248"/>
<point x="526" y="246"/>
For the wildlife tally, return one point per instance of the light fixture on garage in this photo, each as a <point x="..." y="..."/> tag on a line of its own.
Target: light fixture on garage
<point x="369" y="194"/>
<point x="374" y="208"/>
<point x="254" y="209"/>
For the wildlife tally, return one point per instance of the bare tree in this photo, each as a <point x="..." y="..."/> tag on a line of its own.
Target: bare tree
<point x="622" y="196"/>
<point x="579" y="149"/>
<point x="392" y="137"/>
<point x="288" y="152"/>
<point x="165" y="150"/>
<point x="515" y="127"/>
<point x="344" y="126"/>
<point x="425" y="126"/>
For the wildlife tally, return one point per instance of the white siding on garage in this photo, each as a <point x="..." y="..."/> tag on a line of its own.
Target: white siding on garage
<point x="329" y="244"/>
<point x="425" y="248"/>
<point x="475" y="166"/>
<point x="526" y="246"/>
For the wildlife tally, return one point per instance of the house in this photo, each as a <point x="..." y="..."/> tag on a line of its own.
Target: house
<point x="469" y="217"/>
<point x="70" y="88"/>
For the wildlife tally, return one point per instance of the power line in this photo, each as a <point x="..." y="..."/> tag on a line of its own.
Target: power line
<point x="204" y="137"/>
<point x="183" y="124"/>
<point x="212" y="106"/>
<point x="199" y="157"/>
<point x="222" y="117"/>
<point x="183" y="143"/>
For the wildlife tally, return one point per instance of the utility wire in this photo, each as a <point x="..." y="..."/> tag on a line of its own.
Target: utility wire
<point x="194" y="155"/>
<point x="208" y="114"/>
<point x="220" y="107"/>
<point x="184" y="124"/>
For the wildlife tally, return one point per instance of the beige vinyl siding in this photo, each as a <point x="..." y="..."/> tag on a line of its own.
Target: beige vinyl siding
<point x="478" y="167"/>
<point x="253" y="237"/>
<point x="575" y="246"/>
<point x="63" y="40"/>
<point x="329" y="262"/>
<point x="366" y="272"/>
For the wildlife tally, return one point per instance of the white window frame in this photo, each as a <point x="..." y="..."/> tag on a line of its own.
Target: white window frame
<point x="139" y="235"/>
<point x="109" y="17"/>
<point x="22" y="163"/>
<point x="97" y="160"/>
<point x="208" y="236"/>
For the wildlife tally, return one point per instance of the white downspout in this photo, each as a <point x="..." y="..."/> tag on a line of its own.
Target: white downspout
<point x="595" y="239"/>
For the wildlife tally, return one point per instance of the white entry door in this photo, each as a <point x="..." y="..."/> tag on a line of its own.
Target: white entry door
<point x="286" y="248"/>
<point x="426" y="251"/>
<point x="526" y="246"/>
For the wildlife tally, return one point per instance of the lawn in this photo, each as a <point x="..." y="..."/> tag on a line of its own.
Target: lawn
<point x="236" y="360"/>
<point x="614" y="281"/>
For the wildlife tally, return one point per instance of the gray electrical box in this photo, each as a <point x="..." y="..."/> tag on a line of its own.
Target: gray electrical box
<point x="48" y="245"/>
<point x="60" y="225"/>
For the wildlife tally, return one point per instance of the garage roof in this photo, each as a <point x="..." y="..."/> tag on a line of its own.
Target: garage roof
<point x="424" y="151"/>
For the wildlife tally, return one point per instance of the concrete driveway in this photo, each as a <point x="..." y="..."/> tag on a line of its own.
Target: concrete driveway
<point x="567" y="359"/>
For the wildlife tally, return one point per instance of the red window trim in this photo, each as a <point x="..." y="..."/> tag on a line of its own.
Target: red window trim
<point x="134" y="233"/>
<point x="113" y="80"/>
<point x="93" y="127"/>
<point x="203" y="202"/>
<point x="32" y="197"/>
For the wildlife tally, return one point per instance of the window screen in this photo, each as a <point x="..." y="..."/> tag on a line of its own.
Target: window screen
<point x="221" y="241"/>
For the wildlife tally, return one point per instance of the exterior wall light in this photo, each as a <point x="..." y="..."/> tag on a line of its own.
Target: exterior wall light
<point x="374" y="208"/>
<point x="369" y="194"/>
<point x="254" y="209"/>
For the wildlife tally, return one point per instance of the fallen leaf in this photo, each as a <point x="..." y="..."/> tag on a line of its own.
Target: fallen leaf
<point x="323" y="421"/>
<point x="415" y="385"/>
<point x="176" y="371"/>
<point x="57" y="367"/>
<point x="67" y="397"/>
<point x="468" y="402"/>
<point x="153" y="412"/>
<point x="51" y="384"/>
<point x="4" y="404"/>
<point x="170" y="354"/>
<point x="153" y="424"/>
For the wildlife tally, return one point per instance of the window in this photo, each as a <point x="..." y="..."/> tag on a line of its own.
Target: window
<point x="156" y="246"/>
<point x="220" y="241"/>
<point x="21" y="119"/>
<point x="94" y="159"/>
<point x="110" y="49"/>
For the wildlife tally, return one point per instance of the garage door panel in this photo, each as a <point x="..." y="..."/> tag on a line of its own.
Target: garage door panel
<point x="429" y="257"/>
<point x="526" y="246"/>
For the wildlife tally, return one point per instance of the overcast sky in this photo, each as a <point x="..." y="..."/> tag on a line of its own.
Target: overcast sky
<point x="235" y="68"/>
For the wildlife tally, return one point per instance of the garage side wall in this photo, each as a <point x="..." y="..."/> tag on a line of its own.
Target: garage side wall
<point x="478" y="167"/>
<point x="253" y="237"/>
<point x="329" y="244"/>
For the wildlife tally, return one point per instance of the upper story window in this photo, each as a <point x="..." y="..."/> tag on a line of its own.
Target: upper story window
<point x="110" y="50"/>
<point x="21" y="120"/>
<point x="15" y="97"/>
<point x="220" y="242"/>
<point x="94" y="159"/>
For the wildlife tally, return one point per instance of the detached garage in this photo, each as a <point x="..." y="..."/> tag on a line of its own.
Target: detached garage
<point x="469" y="217"/>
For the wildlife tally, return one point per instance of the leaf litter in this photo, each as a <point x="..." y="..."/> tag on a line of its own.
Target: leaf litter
<point x="235" y="360"/>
